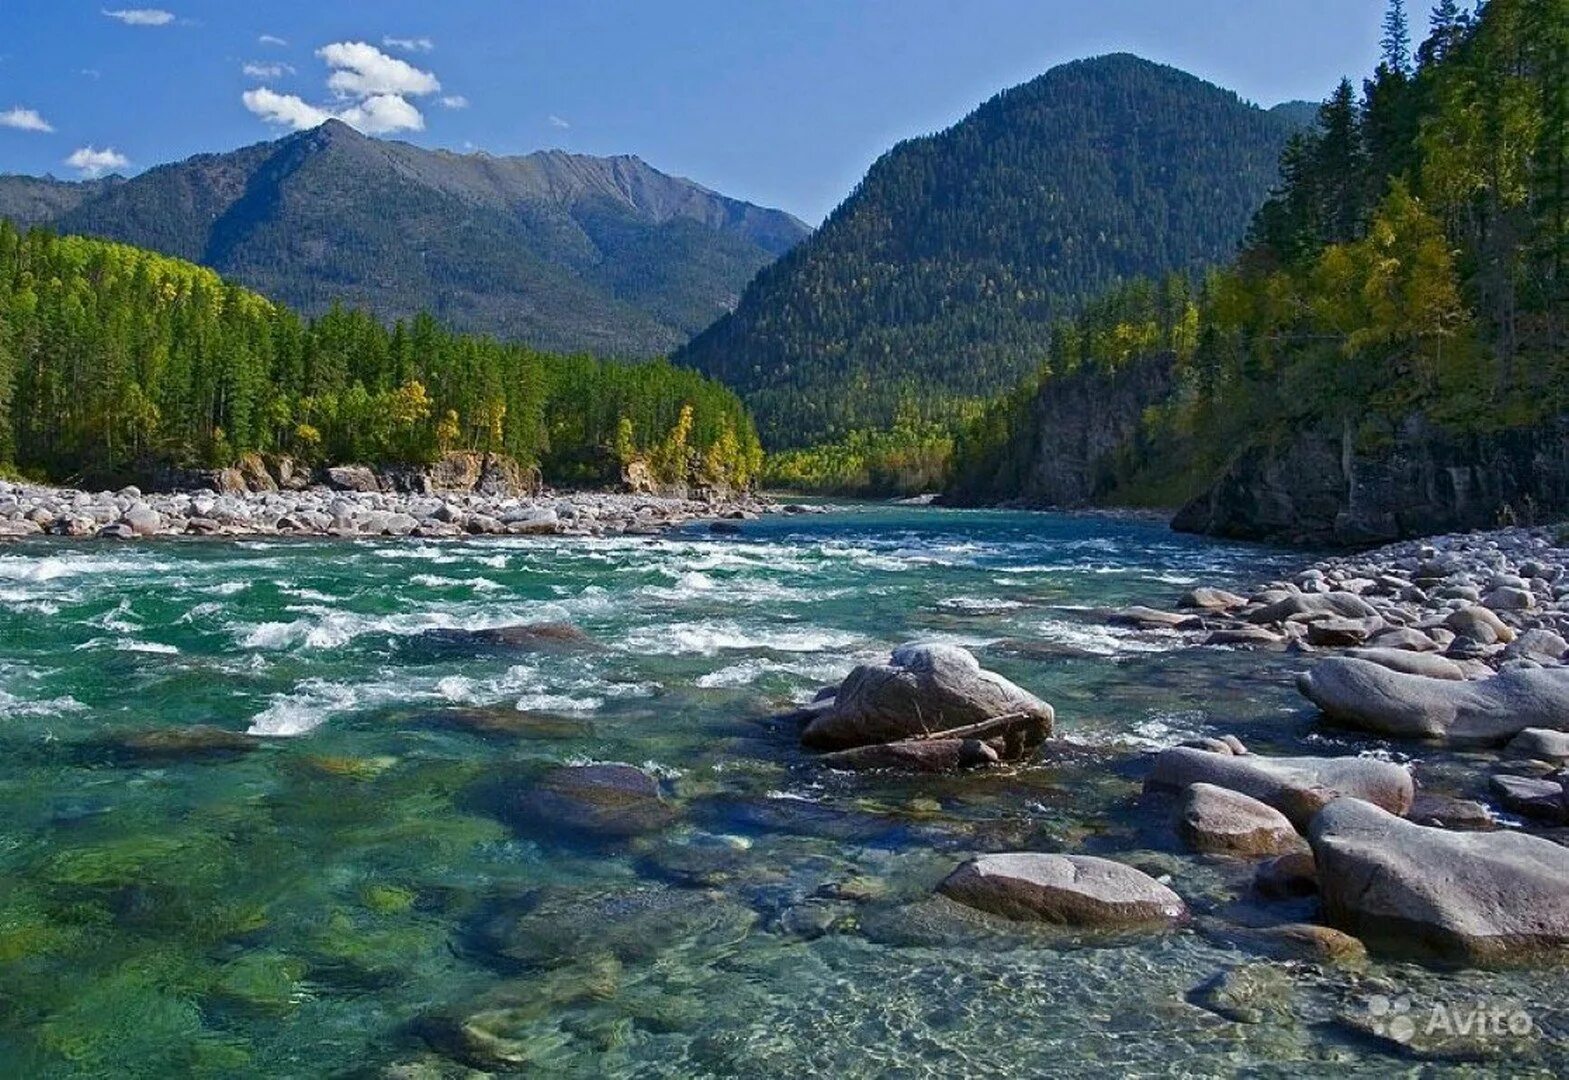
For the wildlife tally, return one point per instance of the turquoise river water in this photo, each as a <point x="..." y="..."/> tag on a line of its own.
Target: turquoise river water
<point x="357" y="894"/>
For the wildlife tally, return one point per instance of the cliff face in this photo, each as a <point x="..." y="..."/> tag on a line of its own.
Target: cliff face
<point x="1320" y="488"/>
<point x="1080" y="427"/>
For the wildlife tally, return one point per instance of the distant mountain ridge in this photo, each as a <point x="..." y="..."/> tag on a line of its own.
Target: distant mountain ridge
<point x="940" y="278"/>
<point x="563" y="251"/>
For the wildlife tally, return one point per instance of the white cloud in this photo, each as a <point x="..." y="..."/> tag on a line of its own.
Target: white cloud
<point x="384" y="114"/>
<point x="285" y="110"/>
<point x="418" y="44"/>
<point x="142" y="16"/>
<point x="454" y="101"/>
<point x="91" y="73"/>
<point x="557" y="122"/>
<point x="271" y="39"/>
<point x="92" y="162"/>
<point x="24" y="120"/>
<point x="363" y="71"/>
<point x="257" y="70"/>
<point x="381" y="114"/>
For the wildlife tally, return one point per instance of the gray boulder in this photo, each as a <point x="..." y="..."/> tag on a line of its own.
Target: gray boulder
<point x="1476" y="897"/>
<point x="1543" y="646"/>
<point x="352" y="478"/>
<point x="1479" y="624"/>
<point x="1542" y="744"/>
<point x="1068" y="890"/>
<point x="1205" y="598"/>
<point x="1404" y="637"/>
<point x="924" y="688"/>
<point x="1296" y="786"/>
<point x="1375" y="698"/>
<point x="1338" y="633"/>
<point x="1221" y="821"/>
<point x="1430" y="665"/>
<point x="1321" y="605"/>
<point x="1532" y="797"/>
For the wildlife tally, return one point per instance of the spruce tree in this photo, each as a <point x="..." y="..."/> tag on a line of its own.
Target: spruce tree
<point x="1396" y="41"/>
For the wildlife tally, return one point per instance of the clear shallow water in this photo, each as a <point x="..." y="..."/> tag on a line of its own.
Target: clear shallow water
<point x="362" y="890"/>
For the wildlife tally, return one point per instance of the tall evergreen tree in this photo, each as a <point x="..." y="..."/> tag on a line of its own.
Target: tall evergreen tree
<point x="1396" y="42"/>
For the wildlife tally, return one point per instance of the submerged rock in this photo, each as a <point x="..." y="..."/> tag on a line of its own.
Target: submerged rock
<point x="201" y="742"/>
<point x="1217" y="820"/>
<point x="1376" y="698"/>
<point x="1467" y="896"/>
<point x="599" y="800"/>
<point x="1249" y="994"/>
<point x="923" y="689"/>
<point x="1067" y="890"/>
<point x="523" y="637"/>
<point x="1296" y="786"/>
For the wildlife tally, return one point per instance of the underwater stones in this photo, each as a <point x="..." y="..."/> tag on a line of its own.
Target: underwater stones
<point x="1066" y="890"/>
<point x="524" y="637"/>
<point x="1375" y="698"/>
<point x="201" y="742"/>
<point x="557" y="925"/>
<point x="1247" y="994"/>
<point x="1219" y="821"/>
<point x="924" y="688"/>
<point x="1296" y="786"/>
<point x="1466" y="896"/>
<point x="506" y="722"/>
<point x="605" y="801"/>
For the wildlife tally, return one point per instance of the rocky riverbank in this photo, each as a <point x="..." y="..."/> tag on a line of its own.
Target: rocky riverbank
<point x="28" y="510"/>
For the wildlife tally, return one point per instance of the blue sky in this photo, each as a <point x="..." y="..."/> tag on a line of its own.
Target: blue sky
<point x="783" y="103"/>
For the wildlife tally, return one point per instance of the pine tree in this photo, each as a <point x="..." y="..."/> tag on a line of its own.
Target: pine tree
<point x="1396" y="41"/>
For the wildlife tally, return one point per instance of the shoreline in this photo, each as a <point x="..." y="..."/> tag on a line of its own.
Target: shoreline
<point x="38" y="511"/>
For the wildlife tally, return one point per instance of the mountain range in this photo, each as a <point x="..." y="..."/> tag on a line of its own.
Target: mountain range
<point x="564" y="251"/>
<point x="940" y="278"/>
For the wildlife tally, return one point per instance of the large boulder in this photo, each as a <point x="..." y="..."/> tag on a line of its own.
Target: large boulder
<point x="1479" y="624"/>
<point x="1296" y="786"/>
<point x="1476" y="897"/>
<point x="1068" y="890"/>
<point x="922" y="689"/>
<point x="1221" y="821"/>
<point x="1376" y="698"/>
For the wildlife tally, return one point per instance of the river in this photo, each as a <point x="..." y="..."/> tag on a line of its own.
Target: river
<point x="357" y="890"/>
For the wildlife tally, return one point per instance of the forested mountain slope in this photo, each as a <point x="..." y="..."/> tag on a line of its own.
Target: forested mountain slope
<point x="941" y="276"/>
<point x="561" y="251"/>
<point x="1389" y="356"/>
<point x="115" y="361"/>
